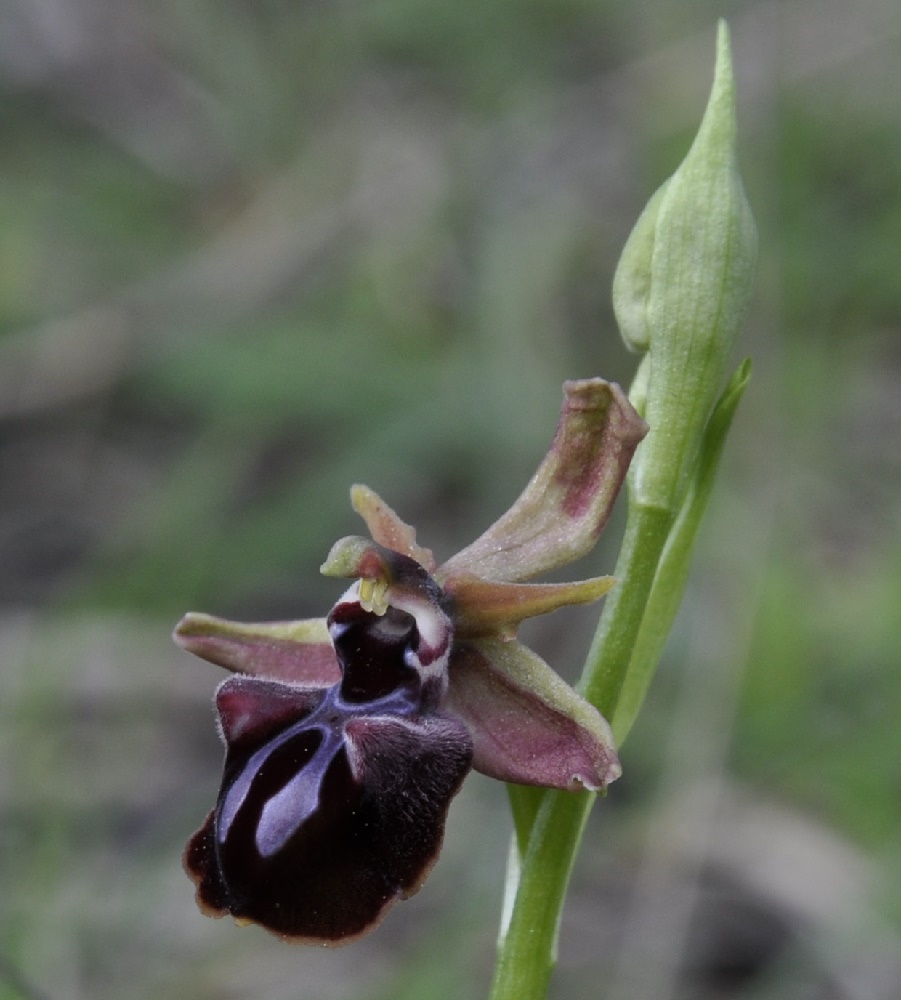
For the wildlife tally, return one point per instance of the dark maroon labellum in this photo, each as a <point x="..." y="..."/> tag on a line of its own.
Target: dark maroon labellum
<point x="333" y="801"/>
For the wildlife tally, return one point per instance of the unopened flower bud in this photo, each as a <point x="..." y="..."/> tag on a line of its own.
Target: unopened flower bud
<point x="680" y="294"/>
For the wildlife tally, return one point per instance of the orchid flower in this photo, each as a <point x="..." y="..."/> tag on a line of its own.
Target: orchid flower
<point x="347" y="737"/>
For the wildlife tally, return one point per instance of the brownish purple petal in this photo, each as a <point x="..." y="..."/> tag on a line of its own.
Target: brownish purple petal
<point x="387" y="528"/>
<point x="562" y="510"/>
<point x="484" y="607"/>
<point x="528" y="725"/>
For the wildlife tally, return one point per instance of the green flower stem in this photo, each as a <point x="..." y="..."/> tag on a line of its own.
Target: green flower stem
<point x="675" y="561"/>
<point x="525" y="802"/>
<point x="527" y="952"/>
<point x="551" y="832"/>
<point x="610" y="655"/>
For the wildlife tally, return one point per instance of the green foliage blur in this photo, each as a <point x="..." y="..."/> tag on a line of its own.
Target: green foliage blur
<point x="255" y="252"/>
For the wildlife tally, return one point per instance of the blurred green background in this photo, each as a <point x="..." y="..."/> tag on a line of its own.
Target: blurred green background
<point x="254" y="252"/>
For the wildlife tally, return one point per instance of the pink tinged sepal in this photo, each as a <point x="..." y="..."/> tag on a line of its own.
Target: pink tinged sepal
<point x="297" y="652"/>
<point x="528" y="725"/>
<point x="563" y="509"/>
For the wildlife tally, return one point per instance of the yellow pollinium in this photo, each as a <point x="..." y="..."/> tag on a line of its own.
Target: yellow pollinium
<point x="374" y="596"/>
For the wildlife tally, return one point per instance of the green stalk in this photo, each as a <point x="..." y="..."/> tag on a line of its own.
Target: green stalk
<point x="551" y="833"/>
<point x="675" y="561"/>
<point x="610" y="654"/>
<point x="527" y="953"/>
